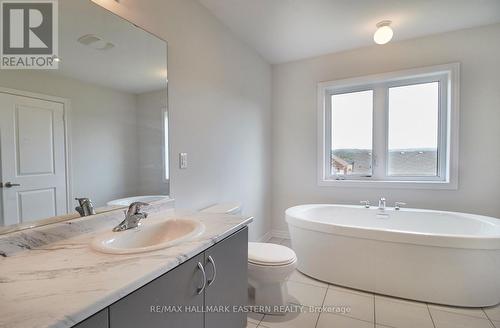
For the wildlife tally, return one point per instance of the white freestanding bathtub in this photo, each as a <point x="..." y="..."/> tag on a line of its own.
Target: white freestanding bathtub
<point x="432" y="256"/>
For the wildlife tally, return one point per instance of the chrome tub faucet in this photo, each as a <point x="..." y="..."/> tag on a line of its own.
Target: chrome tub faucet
<point x="133" y="216"/>
<point x="381" y="204"/>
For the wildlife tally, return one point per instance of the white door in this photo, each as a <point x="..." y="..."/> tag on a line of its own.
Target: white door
<point x="32" y="158"/>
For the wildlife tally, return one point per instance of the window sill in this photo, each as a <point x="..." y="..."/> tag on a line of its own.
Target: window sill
<point x="438" y="185"/>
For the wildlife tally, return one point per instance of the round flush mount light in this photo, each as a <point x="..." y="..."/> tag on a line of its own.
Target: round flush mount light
<point x="384" y="32"/>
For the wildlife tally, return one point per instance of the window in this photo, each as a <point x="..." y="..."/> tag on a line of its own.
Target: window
<point x="397" y="129"/>
<point x="413" y="130"/>
<point x="351" y="133"/>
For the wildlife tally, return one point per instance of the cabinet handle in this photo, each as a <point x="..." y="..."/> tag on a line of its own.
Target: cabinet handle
<point x="202" y="288"/>
<point x="211" y="261"/>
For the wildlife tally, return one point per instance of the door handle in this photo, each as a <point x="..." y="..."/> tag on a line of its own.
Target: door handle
<point x="202" y="288"/>
<point x="9" y="185"/>
<point x="211" y="261"/>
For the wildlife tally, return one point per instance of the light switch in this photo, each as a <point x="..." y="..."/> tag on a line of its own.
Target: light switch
<point x="183" y="160"/>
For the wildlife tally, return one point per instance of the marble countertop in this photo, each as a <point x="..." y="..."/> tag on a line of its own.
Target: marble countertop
<point x="52" y="278"/>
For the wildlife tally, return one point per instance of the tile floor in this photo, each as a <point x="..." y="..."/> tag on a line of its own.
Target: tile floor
<point x="367" y="309"/>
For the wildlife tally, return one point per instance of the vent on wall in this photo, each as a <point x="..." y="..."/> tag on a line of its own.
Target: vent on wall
<point x="95" y="42"/>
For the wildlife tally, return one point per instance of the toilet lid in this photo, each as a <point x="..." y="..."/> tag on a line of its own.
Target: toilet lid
<point x="270" y="254"/>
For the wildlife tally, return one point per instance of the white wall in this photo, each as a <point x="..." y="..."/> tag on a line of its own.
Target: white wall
<point x="219" y="104"/>
<point x="294" y="122"/>
<point x="103" y="133"/>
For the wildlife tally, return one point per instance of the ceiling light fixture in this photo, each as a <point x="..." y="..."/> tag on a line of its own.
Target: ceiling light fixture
<point x="384" y="32"/>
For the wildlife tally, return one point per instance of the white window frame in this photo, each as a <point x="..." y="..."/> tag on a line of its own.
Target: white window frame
<point x="448" y="134"/>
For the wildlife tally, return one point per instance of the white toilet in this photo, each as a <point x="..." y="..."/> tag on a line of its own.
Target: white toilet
<point x="269" y="266"/>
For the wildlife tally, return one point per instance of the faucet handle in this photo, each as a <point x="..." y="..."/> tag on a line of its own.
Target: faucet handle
<point x="135" y="207"/>
<point x="366" y="203"/>
<point x="397" y="205"/>
<point x="82" y="200"/>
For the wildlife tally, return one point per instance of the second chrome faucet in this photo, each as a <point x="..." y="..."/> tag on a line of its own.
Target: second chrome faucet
<point x="86" y="207"/>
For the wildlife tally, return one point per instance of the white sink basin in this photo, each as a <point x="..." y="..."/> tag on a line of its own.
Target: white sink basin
<point x="149" y="236"/>
<point x="129" y="200"/>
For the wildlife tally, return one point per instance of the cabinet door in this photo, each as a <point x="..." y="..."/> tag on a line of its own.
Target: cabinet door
<point x="230" y="287"/>
<point x="148" y="306"/>
<point x="98" y="320"/>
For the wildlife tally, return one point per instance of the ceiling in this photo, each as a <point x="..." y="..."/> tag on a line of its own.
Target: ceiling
<point x="287" y="30"/>
<point x="136" y="64"/>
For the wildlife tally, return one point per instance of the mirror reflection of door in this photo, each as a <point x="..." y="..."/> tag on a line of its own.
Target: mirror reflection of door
<point x="32" y="158"/>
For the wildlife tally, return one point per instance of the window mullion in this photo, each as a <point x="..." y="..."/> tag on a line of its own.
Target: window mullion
<point x="443" y="135"/>
<point x="328" y="136"/>
<point x="379" y="132"/>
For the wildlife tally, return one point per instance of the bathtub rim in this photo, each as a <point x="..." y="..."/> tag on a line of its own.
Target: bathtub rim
<point x="476" y="242"/>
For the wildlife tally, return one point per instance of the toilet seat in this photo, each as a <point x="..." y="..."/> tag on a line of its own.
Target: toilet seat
<point x="265" y="254"/>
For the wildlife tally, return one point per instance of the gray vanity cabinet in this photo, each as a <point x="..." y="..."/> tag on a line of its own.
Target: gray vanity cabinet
<point x="98" y="320"/>
<point x="225" y="266"/>
<point x="146" y="306"/>
<point x="228" y="291"/>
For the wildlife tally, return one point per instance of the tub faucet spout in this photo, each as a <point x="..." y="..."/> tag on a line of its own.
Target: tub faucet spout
<point x="381" y="204"/>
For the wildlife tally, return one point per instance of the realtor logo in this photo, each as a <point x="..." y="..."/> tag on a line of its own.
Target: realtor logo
<point x="29" y="37"/>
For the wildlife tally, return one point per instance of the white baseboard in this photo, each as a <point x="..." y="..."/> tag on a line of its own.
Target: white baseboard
<point x="280" y="234"/>
<point x="265" y="238"/>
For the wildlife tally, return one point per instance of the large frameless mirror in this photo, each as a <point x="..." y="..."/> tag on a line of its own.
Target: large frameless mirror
<point x="87" y="136"/>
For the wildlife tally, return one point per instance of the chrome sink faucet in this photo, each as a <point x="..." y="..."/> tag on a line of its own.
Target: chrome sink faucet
<point x="86" y="207"/>
<point x="381" y="204"/>
<point x="133" y="216"/>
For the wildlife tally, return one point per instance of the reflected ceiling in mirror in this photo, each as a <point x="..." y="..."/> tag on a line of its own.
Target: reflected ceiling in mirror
<point x="95" y="128"/>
